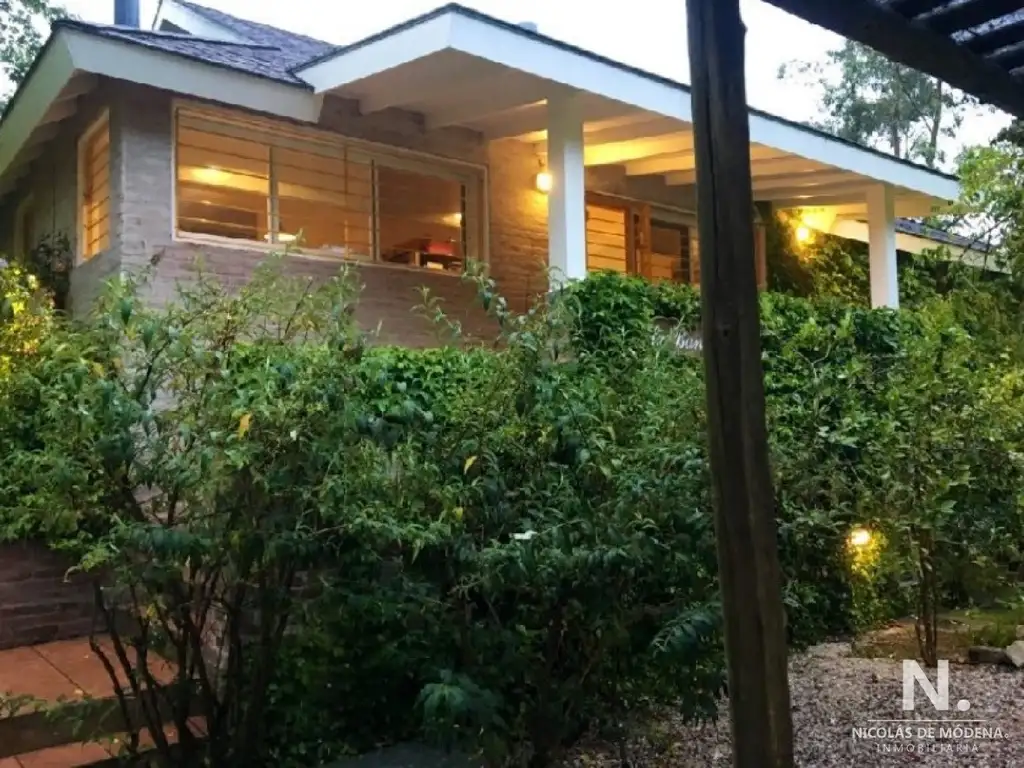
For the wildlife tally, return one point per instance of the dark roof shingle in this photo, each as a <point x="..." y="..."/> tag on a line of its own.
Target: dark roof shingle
<point x="293" y="48"/>
<point x="257" y="59"/>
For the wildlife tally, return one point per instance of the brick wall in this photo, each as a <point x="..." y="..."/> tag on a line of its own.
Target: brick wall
<point x="142" y="141"/>
<point x="37" y="603"/>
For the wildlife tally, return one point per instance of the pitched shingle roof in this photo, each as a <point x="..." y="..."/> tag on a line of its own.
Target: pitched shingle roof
<point x="294" y="49"/>
<point x="265" y="51"/>
<point x="258" y="59"/>
<point x="911" y="227"/>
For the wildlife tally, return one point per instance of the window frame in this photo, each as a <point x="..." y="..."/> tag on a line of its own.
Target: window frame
<point x="300" y="138"/>
<point x="102" y="122"/>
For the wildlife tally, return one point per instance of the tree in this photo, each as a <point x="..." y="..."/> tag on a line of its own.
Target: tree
<point x="866" y="98"/>
<point x="21" y="36"/>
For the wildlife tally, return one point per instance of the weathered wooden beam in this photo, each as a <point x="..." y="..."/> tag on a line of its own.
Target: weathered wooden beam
<point x="1000" y="37"/>
<point x="748" y="566"/>
<point x="915" y="45"/>
<point x="911" y="8"/>
<point x="1010" y="58"/>
<point x="954" y="18"/>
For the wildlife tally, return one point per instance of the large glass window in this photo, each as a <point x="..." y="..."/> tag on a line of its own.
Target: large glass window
<point x="223" y="183"/>
<point x="325" y="202"/>
<point x="94" y="174"/>
<point x="253" y="183"/>
<point x="422" y="219"/>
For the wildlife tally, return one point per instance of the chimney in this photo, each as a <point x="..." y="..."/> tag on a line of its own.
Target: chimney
<point x="126" y="13"/>
<point x="529" y="26"/>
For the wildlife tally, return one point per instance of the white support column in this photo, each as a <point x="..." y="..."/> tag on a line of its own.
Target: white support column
<point x="885" y="289"/>
<point x="567" y="236"/>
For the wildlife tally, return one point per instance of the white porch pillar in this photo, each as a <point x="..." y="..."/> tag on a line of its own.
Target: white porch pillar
<point x="567" y="237"/>
<point x="885" y="290"/>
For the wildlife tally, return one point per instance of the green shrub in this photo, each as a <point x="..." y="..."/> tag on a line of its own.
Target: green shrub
<point x="548" y="496"/>
<point x="498" y="549"/>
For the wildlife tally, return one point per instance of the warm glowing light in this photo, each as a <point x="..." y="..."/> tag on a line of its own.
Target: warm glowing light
<point x="209" y="175"/>
<point x="545" y="181"/>
<point x="860" y="538"/>
<point x="803" y="234"/>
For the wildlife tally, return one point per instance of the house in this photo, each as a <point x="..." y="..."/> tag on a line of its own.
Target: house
<point x="452" y="136"/>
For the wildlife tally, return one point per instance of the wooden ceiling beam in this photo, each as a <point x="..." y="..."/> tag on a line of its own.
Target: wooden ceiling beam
<point x="915" y="45"/>
<point x="61" y="110"/>
<point x="854" y="189"/>
<point x="1011" y="58"/>
<point x="79" y="85"/>
<point x="807" y="180"/>
<point x="911" y="8"/>
<point x="970" y="14"/>
<point x="993" y="40"/>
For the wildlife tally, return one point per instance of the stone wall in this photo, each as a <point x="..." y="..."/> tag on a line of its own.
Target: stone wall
<point x="38" y="603"/>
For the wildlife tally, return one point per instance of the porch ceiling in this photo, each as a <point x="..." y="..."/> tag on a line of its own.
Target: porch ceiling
<point x="459" y="68"/>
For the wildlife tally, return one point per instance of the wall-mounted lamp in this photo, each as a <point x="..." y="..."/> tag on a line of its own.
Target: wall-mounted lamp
<point x="803" y="234"/>
<point x="544" y="182"/>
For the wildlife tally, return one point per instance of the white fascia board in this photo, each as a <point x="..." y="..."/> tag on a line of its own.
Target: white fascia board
<point x="47" y="80"/>
<point x="157" y="69"/>
<point x="568" y="67"/>
<point x="380" y="55"/>
<point x="839" y="154"/>
<point x="194" y="23"/>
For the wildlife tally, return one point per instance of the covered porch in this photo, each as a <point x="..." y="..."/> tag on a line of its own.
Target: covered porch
<point x="590" y="119"/>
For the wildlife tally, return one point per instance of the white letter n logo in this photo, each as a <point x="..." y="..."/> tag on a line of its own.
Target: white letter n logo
<point x="912" y="673"/>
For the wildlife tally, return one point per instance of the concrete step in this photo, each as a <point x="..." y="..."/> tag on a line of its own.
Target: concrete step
<point x="99" y="754"/>
<point x="64" y="675"/>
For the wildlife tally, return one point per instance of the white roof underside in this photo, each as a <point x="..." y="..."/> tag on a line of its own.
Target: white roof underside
<point x="458" y="68"/>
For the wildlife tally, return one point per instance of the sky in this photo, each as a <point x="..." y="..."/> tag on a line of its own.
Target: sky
<point x="651" y="36"/>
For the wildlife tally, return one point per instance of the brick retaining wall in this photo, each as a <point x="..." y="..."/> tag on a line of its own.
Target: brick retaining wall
<point x="37" y="603"/>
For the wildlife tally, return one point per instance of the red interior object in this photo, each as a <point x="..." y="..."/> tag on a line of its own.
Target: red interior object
<point x="438" y="248"/>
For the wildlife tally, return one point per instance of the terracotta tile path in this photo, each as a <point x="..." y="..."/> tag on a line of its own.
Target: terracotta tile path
<point x="67" y="669"/>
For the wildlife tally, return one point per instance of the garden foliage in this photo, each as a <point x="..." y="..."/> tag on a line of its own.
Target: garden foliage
<point x="342" y="545"/>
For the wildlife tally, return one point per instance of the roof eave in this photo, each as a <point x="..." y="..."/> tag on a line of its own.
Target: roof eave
<point x="73" y="51"/>
<point x="455" y="28"/>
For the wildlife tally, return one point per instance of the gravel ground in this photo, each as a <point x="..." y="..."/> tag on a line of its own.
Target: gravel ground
<point x="834" y="693"/>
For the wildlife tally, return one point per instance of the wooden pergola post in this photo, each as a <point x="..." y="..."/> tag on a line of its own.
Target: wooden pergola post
<point x="755" y="635"/>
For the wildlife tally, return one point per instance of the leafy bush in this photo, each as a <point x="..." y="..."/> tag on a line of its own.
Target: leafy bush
<point x="342" y="546"/>
<point x="550" y="497"/>
<point x="454" y="524"/>
<point x="859" y="403"/>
